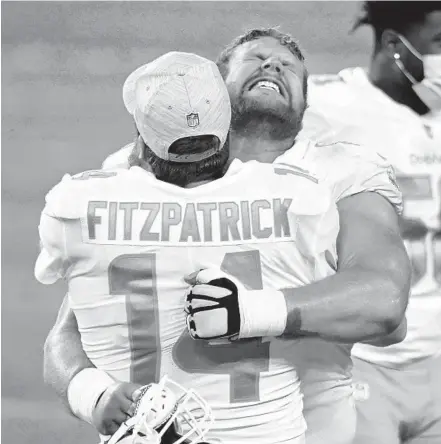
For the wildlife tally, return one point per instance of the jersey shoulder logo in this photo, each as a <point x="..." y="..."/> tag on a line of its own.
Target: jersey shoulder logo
<point x="94" y="174"/>
<point x="283" y="169"/>
<point x="345" y="142"/>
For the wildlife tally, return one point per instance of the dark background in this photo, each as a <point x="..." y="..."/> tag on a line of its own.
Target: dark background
<point x="63" y="66"/>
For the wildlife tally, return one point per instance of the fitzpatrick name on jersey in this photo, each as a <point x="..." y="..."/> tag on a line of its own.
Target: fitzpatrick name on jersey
<point x="202" y="222"/>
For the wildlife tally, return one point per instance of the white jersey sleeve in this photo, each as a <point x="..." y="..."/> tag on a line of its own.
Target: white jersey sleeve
<point x="353" y="169"/>
<point x="51" y="262"/>
<point x="63" y="205"/>
<point x="347" y="168"/>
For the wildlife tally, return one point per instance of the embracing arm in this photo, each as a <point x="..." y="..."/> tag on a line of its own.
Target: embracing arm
<point x="366" y="299"/>
<point x="89" y="393"/>
<point x="64" y="356"/>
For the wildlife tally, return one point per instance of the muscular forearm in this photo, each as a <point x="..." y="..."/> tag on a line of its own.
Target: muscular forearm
<point x="351" y="306"/>
<point x="367" y="297"/>
<point x="63" y="353"/>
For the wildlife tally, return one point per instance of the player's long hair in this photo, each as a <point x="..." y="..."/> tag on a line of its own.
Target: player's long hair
<point x="180" y="173"/>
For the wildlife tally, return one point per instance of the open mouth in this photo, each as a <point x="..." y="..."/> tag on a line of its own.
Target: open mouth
<point x="267" y="84"/>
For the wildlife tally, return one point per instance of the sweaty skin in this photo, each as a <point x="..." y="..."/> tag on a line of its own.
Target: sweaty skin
<point x="367" y="297"/>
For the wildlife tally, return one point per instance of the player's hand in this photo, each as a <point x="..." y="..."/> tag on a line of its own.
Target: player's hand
<point x="115" y="406"/>
<point x="218" y="306"/>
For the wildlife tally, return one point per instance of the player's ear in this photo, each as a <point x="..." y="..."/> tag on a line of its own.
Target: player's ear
<point x="391" y="43"/>
<point x="140" y="148"/>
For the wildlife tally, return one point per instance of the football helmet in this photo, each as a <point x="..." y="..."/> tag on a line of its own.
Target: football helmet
<point x="166" y="413"/>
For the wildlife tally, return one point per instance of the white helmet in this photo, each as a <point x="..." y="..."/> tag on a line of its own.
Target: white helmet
<point x="166" y="413"/>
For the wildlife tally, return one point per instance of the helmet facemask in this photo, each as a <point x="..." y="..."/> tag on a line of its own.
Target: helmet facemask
<point x="166" y="412"/>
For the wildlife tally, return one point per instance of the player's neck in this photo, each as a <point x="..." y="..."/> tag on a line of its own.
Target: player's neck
<point x="402" y="94"/>
<point x="197" y="183"/>
<point x="146" y="167"/>
<point x="246" y="146"/>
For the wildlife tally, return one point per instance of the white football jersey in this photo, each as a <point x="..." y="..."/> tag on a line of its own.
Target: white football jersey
<point x="124" y="242"/>
<point x="359" y="112"/>
<point x="348" y="169"/>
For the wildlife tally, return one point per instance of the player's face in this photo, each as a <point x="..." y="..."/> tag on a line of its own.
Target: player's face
<point x="426" y="39"/>
<point x="266" y="79"/>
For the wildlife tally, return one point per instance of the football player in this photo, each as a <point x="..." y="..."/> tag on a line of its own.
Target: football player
<point x="395" y="106"/>
<point x="367" y="296"/>
<point x="124" y="238"/>
<point x="330" y="309"/>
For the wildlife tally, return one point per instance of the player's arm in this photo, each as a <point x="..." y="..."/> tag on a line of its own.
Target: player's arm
<point x="364" y="300"/>
<point x="64" y="356"/>
<point x="91" y="394"/>
<point x="69" y="371"/>
<point x="368" y="295"/>
<point x="63" y="352"/>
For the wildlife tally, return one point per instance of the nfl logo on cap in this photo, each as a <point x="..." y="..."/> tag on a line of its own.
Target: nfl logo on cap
<point x="193" y="120"/>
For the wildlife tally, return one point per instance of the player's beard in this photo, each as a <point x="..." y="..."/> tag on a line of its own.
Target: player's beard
<point x="278" y="122"/>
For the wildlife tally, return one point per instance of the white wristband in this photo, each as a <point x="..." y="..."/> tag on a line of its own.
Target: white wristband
<point x="84" y="390"/>
<point x="262" y="313"/>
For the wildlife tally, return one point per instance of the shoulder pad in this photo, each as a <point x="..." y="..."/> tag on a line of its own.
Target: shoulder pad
<point x="66" y="198"/>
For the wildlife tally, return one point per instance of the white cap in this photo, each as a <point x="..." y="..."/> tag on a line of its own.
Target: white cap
<point x="178" y="95"/>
